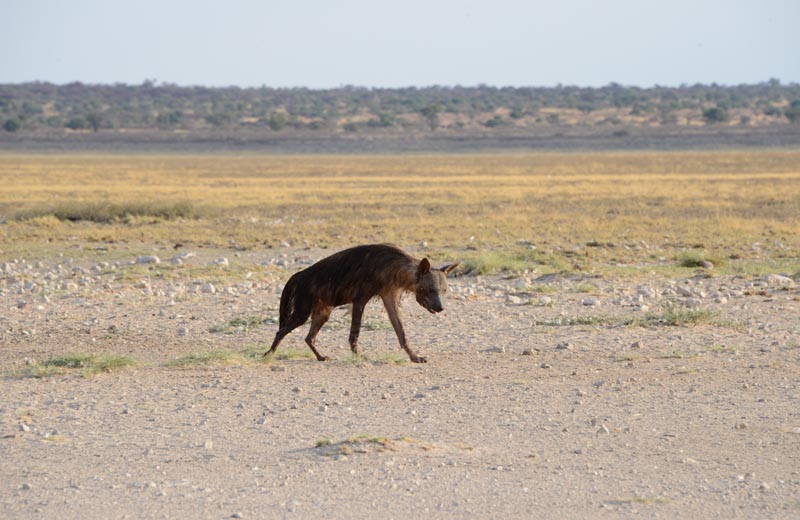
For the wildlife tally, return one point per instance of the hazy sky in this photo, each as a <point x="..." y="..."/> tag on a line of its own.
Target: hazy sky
<point x="375" y="43"/>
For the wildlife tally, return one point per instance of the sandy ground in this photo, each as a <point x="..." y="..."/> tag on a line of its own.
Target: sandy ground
<point x="540" y="398"/>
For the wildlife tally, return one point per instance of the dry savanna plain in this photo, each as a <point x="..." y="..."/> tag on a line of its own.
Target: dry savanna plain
<point x="620" y="339"/>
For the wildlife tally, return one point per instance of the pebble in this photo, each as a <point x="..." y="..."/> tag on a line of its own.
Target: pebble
<point x="565" y="345"/>
<point x="148" y="259"/>
<point x="495" y="350"/>
<point x="590" y="302"/>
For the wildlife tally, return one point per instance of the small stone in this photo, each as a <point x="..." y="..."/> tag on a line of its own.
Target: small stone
<point x="741" y="426"/>
<point x="565" y="345"/>
<point x="545" y="365"/>
<point x="297" y="389"/>
<point x="279" y="368"/>
<point x="148" y="259"/>
<point x="182" y="331"/>
<point x="692" y="303"/>
<point x="209" y="444"/>
<point x="637" y="345"/>
<point x="764" y="486"/>
<point x="24" y="427"/>
<point x="221" y="261"/>
<point x="602" y="429"/>
<point x="495" y="350"/>
<point x="707" y="265"/>
<point x="527" y="352"/>
<point x="590" y="302"/>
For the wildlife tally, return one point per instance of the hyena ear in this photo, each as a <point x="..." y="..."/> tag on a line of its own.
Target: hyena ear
<point x="447" y="268"/>
<point x="424" y="267"/>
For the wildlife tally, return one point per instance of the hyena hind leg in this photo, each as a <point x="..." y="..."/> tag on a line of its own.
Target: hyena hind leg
<point x="292" y="323"/>
<point x="318" y="319"/>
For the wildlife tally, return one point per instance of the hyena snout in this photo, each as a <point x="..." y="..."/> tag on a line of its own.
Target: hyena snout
<point x="431" y="300"/>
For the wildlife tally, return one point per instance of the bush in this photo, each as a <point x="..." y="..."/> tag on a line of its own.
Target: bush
<point x="277" y="121"/>
<point x="715" y="115"/>
<point x="493" y="122"/>
<point x="793" y="112"/>
<point x="12" y="125"/>
<point x="77" y="123"/>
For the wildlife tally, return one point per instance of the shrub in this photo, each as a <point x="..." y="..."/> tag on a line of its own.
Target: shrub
<point x="715" y="115"/>
<point x="12" y="125"/>
<point x="793" y="112"/>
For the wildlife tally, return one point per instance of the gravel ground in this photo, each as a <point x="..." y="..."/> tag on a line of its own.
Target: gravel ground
<point x="548" y="396"/>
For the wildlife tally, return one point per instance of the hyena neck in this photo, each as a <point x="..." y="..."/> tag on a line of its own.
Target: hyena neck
<point x="408" y="277"/>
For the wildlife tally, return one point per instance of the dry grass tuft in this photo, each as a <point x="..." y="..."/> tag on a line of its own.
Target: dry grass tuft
<point x="571" y="210"/>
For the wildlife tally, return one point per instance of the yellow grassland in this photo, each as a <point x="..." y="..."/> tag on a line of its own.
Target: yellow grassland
<point x="721" y="202"/>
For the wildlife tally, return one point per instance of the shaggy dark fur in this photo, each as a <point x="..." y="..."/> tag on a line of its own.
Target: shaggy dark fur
<point x="357" y="275"/>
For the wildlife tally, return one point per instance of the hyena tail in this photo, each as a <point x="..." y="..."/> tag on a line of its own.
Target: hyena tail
<point x="294" y="311"/>
<point x="287" y="301"/>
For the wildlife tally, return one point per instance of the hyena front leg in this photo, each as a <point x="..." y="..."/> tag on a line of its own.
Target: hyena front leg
<point x="391" y="302"/>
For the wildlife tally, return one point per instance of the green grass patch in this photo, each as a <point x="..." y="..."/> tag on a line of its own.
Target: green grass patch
<point x="87" y="364"/>
<point x="572" y="321"/>
<point x="672" y="315"/>
<point x="680" y="354"/>
<point x="373" y="324"/>
<point x="503" y="261"/>
<point x="106" y="213"/>
<point x="212" y="357"/>
<point x="722" y="349"/>
<point x="695" y="259"/>
<point x="388" y="358"/>
<point x="293" y="354"/>
<point x="243" y="324"/>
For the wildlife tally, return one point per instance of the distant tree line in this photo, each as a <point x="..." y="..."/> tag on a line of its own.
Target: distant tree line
<point x="85" y="107"/>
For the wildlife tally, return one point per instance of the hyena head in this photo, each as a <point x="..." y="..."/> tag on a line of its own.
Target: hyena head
<point x="432" y="285"/>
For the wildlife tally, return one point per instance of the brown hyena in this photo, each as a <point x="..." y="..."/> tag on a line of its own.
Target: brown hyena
<point x="355" y="276"/>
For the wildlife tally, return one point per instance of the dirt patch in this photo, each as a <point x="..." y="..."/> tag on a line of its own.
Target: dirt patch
<point x="556" y="396"/>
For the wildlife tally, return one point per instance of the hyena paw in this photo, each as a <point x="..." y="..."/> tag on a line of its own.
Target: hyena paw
<point x="418" y="359"/>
